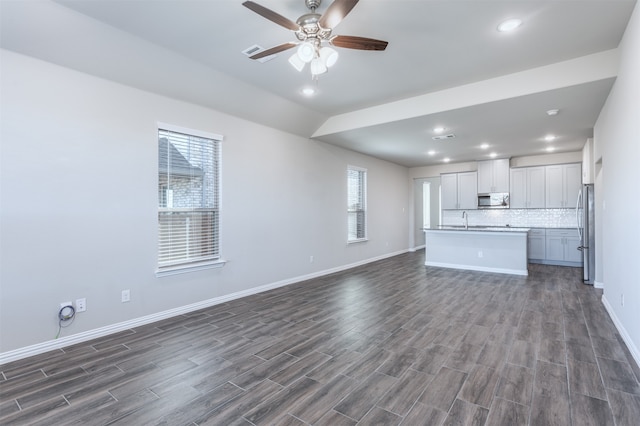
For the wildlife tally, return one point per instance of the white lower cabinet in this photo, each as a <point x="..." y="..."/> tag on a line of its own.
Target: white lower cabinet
<point x="562" y="246"/>
<point x="536" y="245"/>
<point x="554" y="246"/>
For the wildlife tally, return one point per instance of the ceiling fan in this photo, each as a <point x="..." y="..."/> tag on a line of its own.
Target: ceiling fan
<point x="314" y="34"/>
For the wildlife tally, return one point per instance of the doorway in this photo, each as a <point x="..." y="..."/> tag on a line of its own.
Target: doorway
<point x="426" y="201"/>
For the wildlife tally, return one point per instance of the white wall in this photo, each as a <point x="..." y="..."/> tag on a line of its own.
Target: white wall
<point x="616" y="139"/>
<point x="437" y="170"/>
<point x="588" y="166"/>
<point x="79" y="203"/>
<point x="547" y="159"/>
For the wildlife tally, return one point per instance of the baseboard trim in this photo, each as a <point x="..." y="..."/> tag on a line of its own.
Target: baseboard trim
<point x="633" y="349"/>
<point x="413" y="250"/>
<point x="556" y="263"/>
<point x="598" y="284"/>
<point x="73" y="339"/>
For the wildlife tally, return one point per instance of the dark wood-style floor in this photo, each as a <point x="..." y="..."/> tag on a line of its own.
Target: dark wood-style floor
<point x="388" y="343"/>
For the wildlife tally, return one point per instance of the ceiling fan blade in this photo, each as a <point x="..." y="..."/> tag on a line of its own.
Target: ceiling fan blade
<point x="336" y="12"/>
<point x="277" y="49"/>
<point x="360" y="43"/>
<point x="271" y="15"/>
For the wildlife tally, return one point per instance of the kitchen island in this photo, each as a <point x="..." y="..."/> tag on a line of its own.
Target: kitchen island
<point x="491" y="249"/>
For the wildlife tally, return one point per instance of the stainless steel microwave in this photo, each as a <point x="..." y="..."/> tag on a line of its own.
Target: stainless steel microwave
<point x="496" y="200"/>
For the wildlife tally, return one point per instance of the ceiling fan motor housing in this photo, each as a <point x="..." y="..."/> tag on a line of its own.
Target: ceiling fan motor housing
<point x="312" y="4"/>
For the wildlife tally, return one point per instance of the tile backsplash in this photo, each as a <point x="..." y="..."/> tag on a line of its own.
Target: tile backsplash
<point x="529" y="218"/>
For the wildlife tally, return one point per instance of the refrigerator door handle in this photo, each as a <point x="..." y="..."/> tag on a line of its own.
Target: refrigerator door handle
<point x="578" y="202"/>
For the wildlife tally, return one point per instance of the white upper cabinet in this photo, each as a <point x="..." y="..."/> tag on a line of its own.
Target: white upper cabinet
<point x="493" y="176"/>
<point x="527" y="188"/>
<point x="536" y="187"/>
<point x="563" y="183"/>
<point x="459" y="191"/>
<point x="449" y="188"/>
<point x="468" y="190"/>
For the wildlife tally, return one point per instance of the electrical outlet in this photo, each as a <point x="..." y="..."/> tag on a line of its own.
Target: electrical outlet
<point x="81" y="305"/>
<point x="310" y="259"/>
<point x="480" y="254"/>
<point x="126" y="296"/>
<point x="622" y="300"/>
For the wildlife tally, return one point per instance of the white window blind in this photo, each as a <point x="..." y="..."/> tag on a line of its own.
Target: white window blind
<point x="356" y="203"/>
<point x="188" y="199"/>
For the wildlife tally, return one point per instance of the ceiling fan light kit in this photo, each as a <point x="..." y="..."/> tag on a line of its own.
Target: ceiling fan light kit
<point x="329" y="56"/>
<point x="306" y="52"/>
<point x="318" y="67"/>
<point x="296" y="62"/>
<point x="313" y="32"/>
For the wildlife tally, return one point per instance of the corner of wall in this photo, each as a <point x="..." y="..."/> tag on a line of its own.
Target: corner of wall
<point x="633" y="349"/>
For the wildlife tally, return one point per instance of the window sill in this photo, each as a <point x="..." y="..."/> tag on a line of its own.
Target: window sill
<point x="359" y="240"/>
<point x="183" y="269"/>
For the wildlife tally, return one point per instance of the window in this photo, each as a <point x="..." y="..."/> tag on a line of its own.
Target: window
<point x="188" y="199"/>
<point x="356" y="204"/>
<point x="426" y="204"/>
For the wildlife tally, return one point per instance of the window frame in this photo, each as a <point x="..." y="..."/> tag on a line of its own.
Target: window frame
<point x="362" y="187"/>
<point x="191" y="265"/>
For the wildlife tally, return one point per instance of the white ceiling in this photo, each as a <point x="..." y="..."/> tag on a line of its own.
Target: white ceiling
<point x="445" y="65"/>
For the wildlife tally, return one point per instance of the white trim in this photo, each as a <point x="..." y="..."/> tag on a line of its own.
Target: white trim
<point x="598" y="284"/>
<point x="188" y="131"/>
<point x="415" y="249"/>
<point x="359" y="240"/>
<point x="478" y="268"/>
<point x="183" y="269"/>
<point x="635" y="353"/>
<point x="356" y="168"/>
<point x="50" y="345"/>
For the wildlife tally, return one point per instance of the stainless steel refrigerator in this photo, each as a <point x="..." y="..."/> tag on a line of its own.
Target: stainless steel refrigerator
<point x="585" y="208"/>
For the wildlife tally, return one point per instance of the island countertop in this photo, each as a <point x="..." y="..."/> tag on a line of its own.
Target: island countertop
<point x="477" y="228"/>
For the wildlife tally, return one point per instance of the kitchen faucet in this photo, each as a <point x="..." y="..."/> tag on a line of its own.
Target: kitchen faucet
<point x="465" y="216"/>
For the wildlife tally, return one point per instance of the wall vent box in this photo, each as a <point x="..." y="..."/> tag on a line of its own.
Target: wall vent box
<point x="249" y="51"/>
<point x="443" y="137"/>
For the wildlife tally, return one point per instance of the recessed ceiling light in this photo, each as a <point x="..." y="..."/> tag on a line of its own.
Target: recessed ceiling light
<point x="484" y="146"/>
<point x="553" y="112"/>
<point x="550" y="149"/>
<point x="308" y="91"/>
<point x="493" y="155"/>
<point x="549" y="138"/>
<point x="509" y="25"/>
<point x="438" y="129"/>
<point x="432" y="153"/>
<point x="446" y="159"/>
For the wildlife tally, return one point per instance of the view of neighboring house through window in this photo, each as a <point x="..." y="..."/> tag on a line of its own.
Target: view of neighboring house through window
<point x="356" y="203"/>
<point x="426" y="204"/>
<point x="188" y="198"/>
